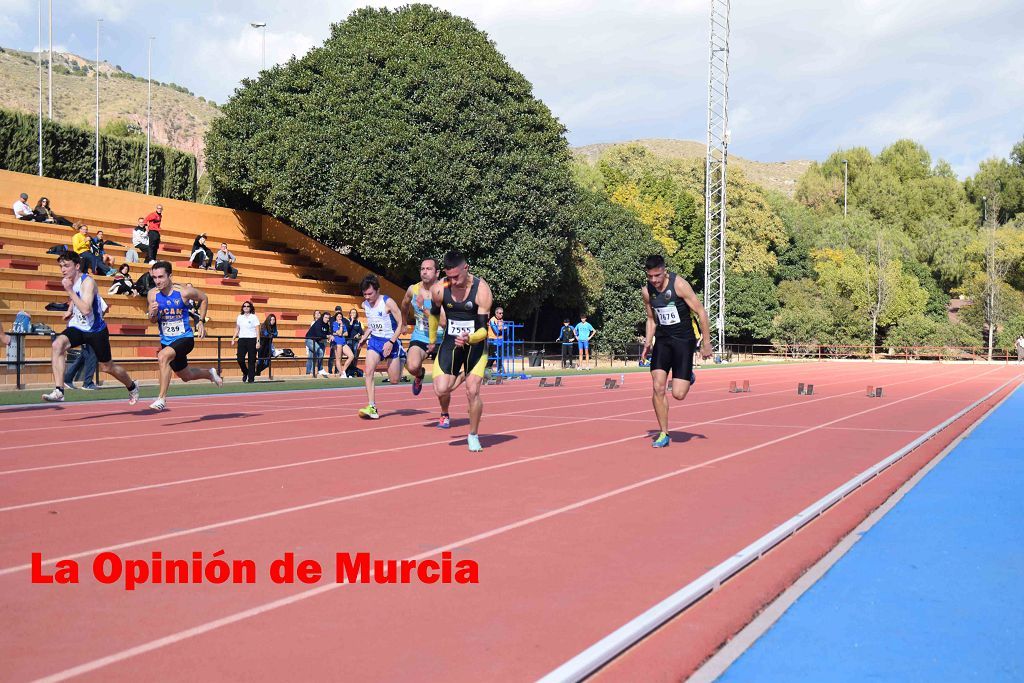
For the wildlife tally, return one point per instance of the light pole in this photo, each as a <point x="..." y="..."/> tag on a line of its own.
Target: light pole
<point x="49" y="67"/>
<point x="262" y="25"/>
<point x="984" y="209"/>
<point x="149" y="105"/>
<point x="98" y="21"/>
<point x="846" y="176"/>
<point x="39" y="62"/>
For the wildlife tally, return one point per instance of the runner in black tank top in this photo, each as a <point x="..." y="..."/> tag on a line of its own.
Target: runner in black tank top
<point x="465" y="302"/>
<point x="669" y="300"/>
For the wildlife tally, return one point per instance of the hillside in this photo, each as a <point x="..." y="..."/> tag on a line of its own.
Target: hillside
<point x="781" y="176"/>
<point x="180" y="119"/>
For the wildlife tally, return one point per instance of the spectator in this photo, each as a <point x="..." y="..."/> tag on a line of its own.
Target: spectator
<point x="1020" y="348"/>
<point x="97" y="246"/>
<point x="223" y="261"/>
<point x="153" y="229"/>
<point x="567" y="335"/>
<point x="316" y="338"/>
<point x="584" y="333"/>
<point x="123" y="283"/>
<point x="193" y="309"/>
<point x="84" y="366"/>
<point x="201" y="257"/>
<point x="81" y="244"/>
<point x="495" y="335"/>
<point x="44" y="213"/>
<point x="268" y="332"/>
<point x="339" y="346"/>
<point x="22" y="211"/>
<point x="247" y="334"/>
<point x="355" y="332"/>
<point x="140" y="242"/>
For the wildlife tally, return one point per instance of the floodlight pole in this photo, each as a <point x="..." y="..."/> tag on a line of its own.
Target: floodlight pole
<point x="715" y="173"/>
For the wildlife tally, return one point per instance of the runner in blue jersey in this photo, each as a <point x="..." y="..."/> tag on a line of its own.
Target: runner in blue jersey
<point x="86" y="326"/>
<point x="416" y="306"/>
<point x="383" y="327"/>
<point x="169" y="308"/>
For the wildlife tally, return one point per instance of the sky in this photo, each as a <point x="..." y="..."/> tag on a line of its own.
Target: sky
<point x="807" y="77"/>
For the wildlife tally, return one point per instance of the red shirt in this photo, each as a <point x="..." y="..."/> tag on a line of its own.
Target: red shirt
<point x="153" y="221"/>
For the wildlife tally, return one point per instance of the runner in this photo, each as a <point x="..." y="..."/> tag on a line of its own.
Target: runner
<point x="383" y="326"/>
<point x="417" y="305"/>
<point x="168" y="307"/>
<point x="466" y="302"/>
<point x="85" y="326"/>
<point x="669" y="299"/>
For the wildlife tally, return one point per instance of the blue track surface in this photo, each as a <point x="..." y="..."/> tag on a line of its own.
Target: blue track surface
<point x="933" y="592"/>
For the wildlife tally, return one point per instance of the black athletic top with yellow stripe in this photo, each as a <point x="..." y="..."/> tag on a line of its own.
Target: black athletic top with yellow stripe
<point x="671" y="313"/>
<point x="461" y="315"/>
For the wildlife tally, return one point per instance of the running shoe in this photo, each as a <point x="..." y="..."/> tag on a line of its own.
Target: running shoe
<point x="89" y="387"/>
<point x="444" y="422"/>
<point x="158" y="404"/>
<point x="369" y="413"/>
<point x="133" y="394"/>
<point x="215" y="377"/>
<point x="474" y="443"/>
<point x="661" y="441"/>
<point x="417" y="386"/>
<point x="55" y="396"/>
<point x="323" y="373"/>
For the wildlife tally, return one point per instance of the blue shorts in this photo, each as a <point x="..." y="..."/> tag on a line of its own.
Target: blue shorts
<point x="376" y="344"/>
<point x="584" y="344"/>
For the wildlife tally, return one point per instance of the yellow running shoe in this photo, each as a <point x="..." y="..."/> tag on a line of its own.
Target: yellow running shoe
<point x="369" y="413"/>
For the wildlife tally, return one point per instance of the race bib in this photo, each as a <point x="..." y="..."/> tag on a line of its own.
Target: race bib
<point x="667" y="315"/>
<point x="377" y="326"/>
<point x="457" y="327"/>
<point x="423" y="324"/>
<point x="77" y="318"/>
<point x="172" y="328"/>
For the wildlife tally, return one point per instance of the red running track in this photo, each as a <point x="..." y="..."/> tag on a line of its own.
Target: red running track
<point x="577" y="525"/>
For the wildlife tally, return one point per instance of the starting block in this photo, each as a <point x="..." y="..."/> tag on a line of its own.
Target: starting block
<point x="611" y="384"/>
<point x="735" y="389"/>
<point x="805" y="390"/>
<point x="493" y="380"/>
<point x="874" y="392"/>
<point x="545" y="383"/>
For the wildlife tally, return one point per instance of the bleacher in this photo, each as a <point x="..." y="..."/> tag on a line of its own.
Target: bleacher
<point x="281" y="271"/>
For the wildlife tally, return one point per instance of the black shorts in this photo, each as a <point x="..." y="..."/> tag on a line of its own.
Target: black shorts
<point x="453" y="360"/>
<point x="99" y="342"/>
<point x="423" y="345"/>
<point x="675" y="355"/>
<point x="182" y="347"/>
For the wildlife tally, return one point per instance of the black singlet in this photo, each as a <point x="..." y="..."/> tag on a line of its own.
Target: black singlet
<point x="671" y="313"/>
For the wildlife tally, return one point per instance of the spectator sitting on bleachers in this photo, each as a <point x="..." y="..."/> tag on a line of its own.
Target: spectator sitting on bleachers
<point x="44" y="213"/>
<point x="223" y="261"/>
<point x="201" y="256"/>
<point x="123" y="283"/>
<point x="22" y="211"/>
<point x="140" y="242"/>
<point x="80" y="244"/>
<point x="97" y="246"/>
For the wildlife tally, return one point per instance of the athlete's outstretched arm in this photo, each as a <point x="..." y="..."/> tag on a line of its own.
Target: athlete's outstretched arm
<point x="686" y="293"/>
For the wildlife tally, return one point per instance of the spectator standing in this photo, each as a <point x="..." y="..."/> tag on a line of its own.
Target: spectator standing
<point x="223" y="261"/>
<point x="567" y="335"/>
<point x="584" y="333"/>
<point x="355" y="332"/>
<point x="495" y="337"/>
<point x="1020" y="348"/>
<point x="265" y="351"/>
<point x="22" y="211"/>
<point x="247" y="335"/>
<point x="44" y="213"/>
<point x="201" y="257"/>
<point x="153" y="222"/>
<point x="316" y="338"/>
<point x="83" y="366"/>
<point x="339" y="346"/>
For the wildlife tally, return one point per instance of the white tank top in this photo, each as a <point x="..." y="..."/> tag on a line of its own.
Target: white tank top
<point x="380" y="322"/>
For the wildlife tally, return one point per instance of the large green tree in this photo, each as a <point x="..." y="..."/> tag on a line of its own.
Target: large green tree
<point x="405" y="135"/>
